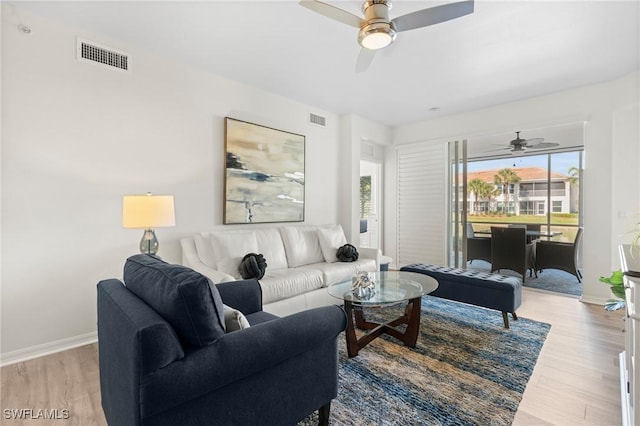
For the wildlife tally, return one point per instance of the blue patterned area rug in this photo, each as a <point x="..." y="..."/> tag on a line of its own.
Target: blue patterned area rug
<point x="466" y="369"/>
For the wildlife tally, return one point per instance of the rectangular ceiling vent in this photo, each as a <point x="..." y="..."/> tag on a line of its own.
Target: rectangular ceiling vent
<point x="318" y="120"/>
<point x="88" y="51"/>
<point x="367" y="149"/>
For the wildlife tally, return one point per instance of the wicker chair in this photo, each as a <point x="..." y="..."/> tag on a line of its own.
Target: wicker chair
<point x="559" y="255"/>
<point x="510" y="250"/>
<point x="478" y="248"/>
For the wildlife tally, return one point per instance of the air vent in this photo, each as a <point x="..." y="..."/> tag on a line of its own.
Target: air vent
<point x="89" y="51"/>
<point x="367" y="149"/>
<point x="318" y="120"/>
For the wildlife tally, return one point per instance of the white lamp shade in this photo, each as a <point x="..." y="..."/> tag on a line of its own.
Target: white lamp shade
<point x="148" y="211"/>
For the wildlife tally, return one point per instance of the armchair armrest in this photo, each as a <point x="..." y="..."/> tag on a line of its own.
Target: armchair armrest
<point x="243" y="295"/>
<point x="239" y="355"/>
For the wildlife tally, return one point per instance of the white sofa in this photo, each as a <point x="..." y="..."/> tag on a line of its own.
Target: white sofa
<point x="301" y="262"/>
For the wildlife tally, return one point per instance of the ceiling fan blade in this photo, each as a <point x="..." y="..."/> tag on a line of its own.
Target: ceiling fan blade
<point x="533" y="141"/>
<point x="332" y="12"/>
<point x="433" y="15"/>
<point x="364" y="59"/>
<point x="543" y="145"/>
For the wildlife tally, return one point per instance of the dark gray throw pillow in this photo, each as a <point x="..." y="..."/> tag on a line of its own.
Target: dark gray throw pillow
<point x="182" y="296"/>
<point x="347" y="253"/>
<point x="252" y="266"/>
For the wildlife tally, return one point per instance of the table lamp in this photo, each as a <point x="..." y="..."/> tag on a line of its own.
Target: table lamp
<point x="148" y="212"/>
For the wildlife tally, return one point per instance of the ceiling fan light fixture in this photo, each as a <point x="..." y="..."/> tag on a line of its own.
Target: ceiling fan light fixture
<point x="376" y="35"/>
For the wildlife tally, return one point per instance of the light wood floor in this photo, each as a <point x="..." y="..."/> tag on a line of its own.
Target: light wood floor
<point x="575" y="381"/>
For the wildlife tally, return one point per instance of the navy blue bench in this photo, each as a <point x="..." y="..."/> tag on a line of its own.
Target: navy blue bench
<point x="493" y="291"/>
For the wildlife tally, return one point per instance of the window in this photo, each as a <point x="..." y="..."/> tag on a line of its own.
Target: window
<point x="556" y="206"/>
<point x="527" y="207"/>
<point x="365" y="196"/>
<point x="510" y="208"/>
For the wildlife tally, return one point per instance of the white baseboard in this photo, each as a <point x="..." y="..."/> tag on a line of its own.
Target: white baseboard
<point x="47" y="348"/>
<point x="593" y="300"/>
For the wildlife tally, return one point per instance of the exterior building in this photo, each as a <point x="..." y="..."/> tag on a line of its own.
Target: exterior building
<point x="527" y="197"/>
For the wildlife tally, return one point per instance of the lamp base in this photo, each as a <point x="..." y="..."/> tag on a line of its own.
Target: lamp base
<point x="149" y="243"/>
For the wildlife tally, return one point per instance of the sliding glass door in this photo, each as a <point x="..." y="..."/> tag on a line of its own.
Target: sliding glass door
<point x="528" y="190"/>
<point x="457" y="207"/>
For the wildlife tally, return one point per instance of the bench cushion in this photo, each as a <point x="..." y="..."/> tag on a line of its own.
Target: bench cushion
<point x="489" y="290"/>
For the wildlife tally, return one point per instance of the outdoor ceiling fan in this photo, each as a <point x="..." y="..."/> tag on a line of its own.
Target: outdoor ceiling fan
<point x="377" y="31"/>
<point x="520" y="145"/>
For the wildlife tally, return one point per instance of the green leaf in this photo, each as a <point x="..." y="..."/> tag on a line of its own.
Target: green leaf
<point x="618" y="292"/>
<point x="616" y="279"/>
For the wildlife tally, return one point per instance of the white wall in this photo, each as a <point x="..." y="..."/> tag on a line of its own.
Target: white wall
<point x="611" y="142"/>
<point x="78" y="136"/>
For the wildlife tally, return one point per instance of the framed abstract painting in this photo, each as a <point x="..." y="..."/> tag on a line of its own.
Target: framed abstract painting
<point x="264" y="174"/>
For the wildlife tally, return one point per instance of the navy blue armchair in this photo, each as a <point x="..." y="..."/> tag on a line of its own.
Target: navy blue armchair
<point x="159" y="366"/>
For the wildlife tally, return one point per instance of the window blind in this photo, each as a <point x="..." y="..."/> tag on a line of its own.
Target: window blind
<point x="421" y="202"/>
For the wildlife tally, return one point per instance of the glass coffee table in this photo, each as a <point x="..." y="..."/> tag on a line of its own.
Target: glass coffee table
<point x="391" y="287"/>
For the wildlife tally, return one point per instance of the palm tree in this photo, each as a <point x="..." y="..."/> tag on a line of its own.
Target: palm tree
<point x="488" y="191"/>
<point x="506" y="177"/>
<point x="475" y="186"/>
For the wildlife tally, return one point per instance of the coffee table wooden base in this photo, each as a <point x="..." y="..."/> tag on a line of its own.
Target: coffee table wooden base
<point x="355" y="318"/>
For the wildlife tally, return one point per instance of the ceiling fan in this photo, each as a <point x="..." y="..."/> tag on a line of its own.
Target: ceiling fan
<point x="519" y="144"/>
<point x="377" y="31"/>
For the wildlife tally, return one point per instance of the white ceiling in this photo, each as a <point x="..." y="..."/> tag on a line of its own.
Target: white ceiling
<point x="504" y="51"/>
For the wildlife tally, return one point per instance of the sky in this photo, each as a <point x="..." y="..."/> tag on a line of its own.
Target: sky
<point x="560" y="163"/>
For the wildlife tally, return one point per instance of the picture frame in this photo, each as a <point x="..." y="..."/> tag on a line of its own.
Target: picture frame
<point x="264" y="178"/>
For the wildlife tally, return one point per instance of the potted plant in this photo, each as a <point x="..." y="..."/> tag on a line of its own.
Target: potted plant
<point x="616" y="282"/>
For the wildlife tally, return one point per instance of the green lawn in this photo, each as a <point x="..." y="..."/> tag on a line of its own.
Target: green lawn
<point x="563" y="222"/>
<point x="556" y="219"/>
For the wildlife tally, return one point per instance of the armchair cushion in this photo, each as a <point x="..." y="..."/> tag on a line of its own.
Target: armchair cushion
<point x="182" y="296"/>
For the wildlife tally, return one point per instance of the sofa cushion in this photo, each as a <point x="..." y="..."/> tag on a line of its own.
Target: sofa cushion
<point x="338" y="272"/>
<point x="302" y="245"/>
<point x="231" y="247"/>
<point x="271" y="246"/>
<point x="182" y="296"/>
<point x="331" y="238"/>
<point x="205" y="250"/>
<point x="284" y="283"/>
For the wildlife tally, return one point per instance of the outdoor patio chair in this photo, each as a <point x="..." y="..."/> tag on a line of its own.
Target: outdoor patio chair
<point x="559" y="255"/>
<point x="533" y="227"/>
<point x="478" y="248"/>
<point x="510" y="250"/>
